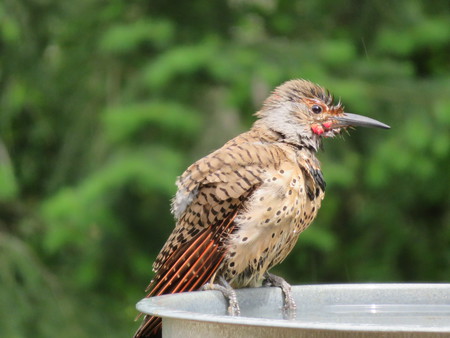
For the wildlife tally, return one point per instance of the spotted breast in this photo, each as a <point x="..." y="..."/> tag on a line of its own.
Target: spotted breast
<point x="276" y="213"/>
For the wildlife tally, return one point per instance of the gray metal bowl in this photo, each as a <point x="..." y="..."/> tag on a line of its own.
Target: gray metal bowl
<point x="347" y="310"/>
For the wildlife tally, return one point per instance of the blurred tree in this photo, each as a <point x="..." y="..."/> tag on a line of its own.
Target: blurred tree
<point x="102" y="105"/>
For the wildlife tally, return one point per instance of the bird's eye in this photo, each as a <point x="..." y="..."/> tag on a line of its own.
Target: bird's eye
<point x="316" y="109"/>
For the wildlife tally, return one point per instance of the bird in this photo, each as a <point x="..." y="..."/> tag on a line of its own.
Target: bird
<point x="240" y="210"/>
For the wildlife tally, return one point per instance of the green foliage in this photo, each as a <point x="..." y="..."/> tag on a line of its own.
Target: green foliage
<point x="124" y="38"/>
<point x="102" y="105"/>
<point x="125" y="122"/>
<point x="8" y="184"/>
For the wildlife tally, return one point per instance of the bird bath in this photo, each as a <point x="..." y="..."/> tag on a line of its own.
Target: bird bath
<point x="346" y="310"/>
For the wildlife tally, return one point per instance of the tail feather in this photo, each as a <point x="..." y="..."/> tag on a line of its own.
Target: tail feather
<point x="187" y="269"/>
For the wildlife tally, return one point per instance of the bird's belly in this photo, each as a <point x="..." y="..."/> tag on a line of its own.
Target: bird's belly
<point x="268" y="228"/>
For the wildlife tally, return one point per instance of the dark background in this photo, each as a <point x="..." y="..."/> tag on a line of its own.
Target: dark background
<point x="104" y="103"/>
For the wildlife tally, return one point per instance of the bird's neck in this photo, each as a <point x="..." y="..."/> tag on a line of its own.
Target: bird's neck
<point x="300" y="138"/>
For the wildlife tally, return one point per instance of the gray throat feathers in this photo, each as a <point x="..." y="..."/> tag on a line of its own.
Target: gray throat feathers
<point x="300" y="139"/>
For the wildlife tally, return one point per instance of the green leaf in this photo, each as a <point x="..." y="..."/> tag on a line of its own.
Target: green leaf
<point x="122" y="122"/>
<point x="127" y="37"/>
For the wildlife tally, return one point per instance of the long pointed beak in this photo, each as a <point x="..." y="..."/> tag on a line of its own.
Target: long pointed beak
<point x="354" y="120"/>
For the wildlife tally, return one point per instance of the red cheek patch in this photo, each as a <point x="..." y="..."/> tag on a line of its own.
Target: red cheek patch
<point x="327" y="125"/>
<point x="317" y="129"/>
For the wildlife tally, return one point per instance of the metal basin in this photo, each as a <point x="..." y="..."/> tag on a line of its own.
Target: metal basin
<point x="346" y="310"/>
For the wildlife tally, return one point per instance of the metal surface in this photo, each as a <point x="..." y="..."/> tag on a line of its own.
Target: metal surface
<point x="347" y="310"/>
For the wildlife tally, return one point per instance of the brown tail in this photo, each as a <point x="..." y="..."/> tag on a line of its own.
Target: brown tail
<point x="187" y="269"/>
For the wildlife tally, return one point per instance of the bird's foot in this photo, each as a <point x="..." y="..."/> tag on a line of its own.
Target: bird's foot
<point x="228" y="292"/>
<point x="289" y="307"/>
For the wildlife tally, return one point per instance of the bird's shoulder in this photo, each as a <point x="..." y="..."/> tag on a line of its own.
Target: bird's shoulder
<point x="230" y="171"/>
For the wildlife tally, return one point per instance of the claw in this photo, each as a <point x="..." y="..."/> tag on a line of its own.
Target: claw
<point x="289" y="306"/>
<point x="228" y="292"/>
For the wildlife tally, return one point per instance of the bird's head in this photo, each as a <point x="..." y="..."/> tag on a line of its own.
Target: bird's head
<point x="303" y="112"/>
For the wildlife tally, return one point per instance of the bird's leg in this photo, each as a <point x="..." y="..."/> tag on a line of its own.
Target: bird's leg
<point x="289" y="303"/>
<point x="228" y="292"/>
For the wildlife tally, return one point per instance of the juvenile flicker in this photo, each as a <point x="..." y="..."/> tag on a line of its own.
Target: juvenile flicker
<point x="239" y="210"/>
